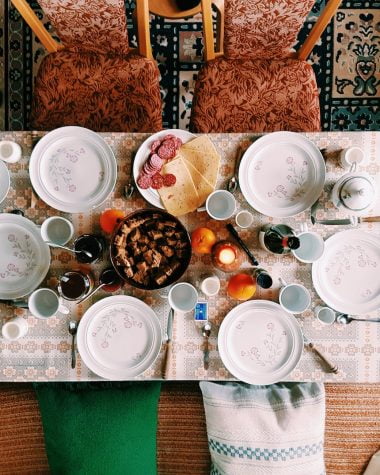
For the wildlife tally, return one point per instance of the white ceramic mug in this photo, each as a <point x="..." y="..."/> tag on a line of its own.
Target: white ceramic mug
<point x="294" y="298"/>
<point x="15" y="329"/>
<point x="183" y="297"/>
<point x="350" y="156"/>
<point x="210" y="285"/>
<point x="57" y="230"/>
<point x="325" y="315"/>
<point x="220" y="205"/>
<point x="312" y="246"/>
<point x="244" y="219"/>
<point x="44" y="303"/>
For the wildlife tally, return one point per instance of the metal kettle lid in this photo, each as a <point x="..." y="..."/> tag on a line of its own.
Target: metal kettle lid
<point x="357" y="193"/>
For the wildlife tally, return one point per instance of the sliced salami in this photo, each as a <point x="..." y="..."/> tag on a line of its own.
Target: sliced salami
<point x="169" y="179"/>
<point x="166" y="151"/>
<point x="157" y="181"/>
<point x="168" y="137"/>
<point x="155" y="160"/>
<point x="178" y="142"/>
<point x="144" y="181"/>
<point x="155" y="145"/>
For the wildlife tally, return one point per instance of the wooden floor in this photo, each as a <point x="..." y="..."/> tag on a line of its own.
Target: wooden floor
<point x="352" y="430"/>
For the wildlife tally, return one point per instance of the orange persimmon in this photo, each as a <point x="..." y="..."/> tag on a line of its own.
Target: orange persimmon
<point x="241" y="287"/>
<point x="202" y="240"/>
<point x="110" y="218"/>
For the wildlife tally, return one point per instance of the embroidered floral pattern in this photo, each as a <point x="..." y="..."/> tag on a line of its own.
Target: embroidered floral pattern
<point x="273" y="345"/>
<point x="263" y="28"/>
<point x="344" y="259"/>
<point x="92" y="25"/>
<point x="25" y="258"/>
<point x="100" y="92"/>
<point x="255" y="96"/>
<point x="107" y="325"/>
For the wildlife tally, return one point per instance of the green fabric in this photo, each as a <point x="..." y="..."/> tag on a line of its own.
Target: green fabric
<point x="100" y="431"/>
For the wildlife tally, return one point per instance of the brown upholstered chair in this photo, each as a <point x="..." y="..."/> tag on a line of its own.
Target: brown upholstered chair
<point x="93" y="79"/>
<point x="258" y="84"/>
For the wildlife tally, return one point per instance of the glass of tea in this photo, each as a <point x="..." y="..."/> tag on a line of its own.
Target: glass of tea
<point x="110" y="280"/>
<point x="94" y="245"/>
<point x="74" y="285"/>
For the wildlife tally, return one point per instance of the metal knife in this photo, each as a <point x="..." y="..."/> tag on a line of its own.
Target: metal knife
<point x="166" y="362"/>
<point x="355" y="220"/>
<point x="130" y="187"/>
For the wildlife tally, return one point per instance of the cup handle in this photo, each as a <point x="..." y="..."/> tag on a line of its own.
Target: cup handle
<point x="63" y="309"/>
<point x="282" y="282"/>
<point x="200" y="209"/>
<point x="304" y="228"/>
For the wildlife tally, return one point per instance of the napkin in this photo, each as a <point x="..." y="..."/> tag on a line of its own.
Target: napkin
<point x="95" y="430"/>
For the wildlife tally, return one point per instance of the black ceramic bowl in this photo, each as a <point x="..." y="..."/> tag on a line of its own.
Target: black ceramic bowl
<point x="154" y="218"/>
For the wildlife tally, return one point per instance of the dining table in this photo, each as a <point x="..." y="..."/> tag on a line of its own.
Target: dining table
<point x="44" y="354"/>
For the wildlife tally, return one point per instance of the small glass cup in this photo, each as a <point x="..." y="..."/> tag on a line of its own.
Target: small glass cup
<point x="92" y="244"/>
<point x="74" y="285"/>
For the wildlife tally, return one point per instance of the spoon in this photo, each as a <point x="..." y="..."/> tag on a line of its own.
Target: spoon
<point x="73" y="326"/>
<point x="233" y="182"/>
<point x="108" y="277"/>
<point x="206" y="332"/>
<point x="345" y="319"/>
<point x="53" y="244"/>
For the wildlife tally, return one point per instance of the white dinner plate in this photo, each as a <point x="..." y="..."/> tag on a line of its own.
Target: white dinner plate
<point x="119" y="337"/>
<point x="73" y="169"/>
<point x="5" y="181"/>
<point x="24" y="256"/>
<point x="282" y="174"/>
<point x="347" y="276"/>
<point x="259" y="342"/>
<point x="142" y="155"/>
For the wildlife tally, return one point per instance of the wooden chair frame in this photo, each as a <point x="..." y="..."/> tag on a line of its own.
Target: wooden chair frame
<point x="167" y="9"/>
<point x="52" y="46"/>
<point x="303" y="52"/>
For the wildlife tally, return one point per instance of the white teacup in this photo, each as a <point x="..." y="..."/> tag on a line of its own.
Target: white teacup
<point x="311" y="248"/>
<point x="44" y="303"/>
<point x="210" y="285"/>
<point x="294" y="298"/>
<point x="183" y="297"/>
<point x="351" y="156"/>
<point x="244" y="219"/>
<point x="220" y="205"/>
<point x="57" y="230"/>
<point x="14" y="329"/>
<point x="325" y="315"/>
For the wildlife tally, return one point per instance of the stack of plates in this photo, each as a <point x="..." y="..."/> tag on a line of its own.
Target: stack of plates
<point x="73" y="169"/>
<point x="24" y="257"/>
<point x="282" y="174"/>
<point x="119" y="337"/>
<point x="347" y="275"/>
<point x="259" y="342"/>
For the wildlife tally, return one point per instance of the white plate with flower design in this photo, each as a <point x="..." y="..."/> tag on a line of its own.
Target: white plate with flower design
<point x="259" y="342"/>
<point x="24" y="256"/>
<point x="119" y="337"/>
<point x="282" y="174"/>
<point x="142" y="155"/>
<point x="73" y="169"/>
<point x="347" y="275"/>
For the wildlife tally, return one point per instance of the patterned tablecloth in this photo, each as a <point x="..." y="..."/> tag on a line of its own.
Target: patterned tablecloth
<point x="44" y="354"/>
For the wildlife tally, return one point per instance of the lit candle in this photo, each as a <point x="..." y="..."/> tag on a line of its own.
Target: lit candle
<point x="226" y="256"/>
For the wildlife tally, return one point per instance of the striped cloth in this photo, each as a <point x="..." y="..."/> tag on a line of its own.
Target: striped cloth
<point x="257" y="430"/>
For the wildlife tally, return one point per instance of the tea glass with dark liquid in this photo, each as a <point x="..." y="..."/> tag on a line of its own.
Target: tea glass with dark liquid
<point x="74" y="285"/>
<point x="92" y="244"/>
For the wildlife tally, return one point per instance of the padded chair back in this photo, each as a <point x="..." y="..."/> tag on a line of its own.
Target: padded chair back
<point x="89" y="25"/>
<point x="263" y="28"/>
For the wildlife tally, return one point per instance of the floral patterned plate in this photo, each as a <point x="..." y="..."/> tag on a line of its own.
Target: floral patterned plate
<point x="24" y="256"/>
<point x="347" y="275"/>
<point x="73" y="169"/>
<point x="282" y="174"/>
<point x="260" y="343"/>
<point x="142" y="154"/>
<point x="119" y="337"/>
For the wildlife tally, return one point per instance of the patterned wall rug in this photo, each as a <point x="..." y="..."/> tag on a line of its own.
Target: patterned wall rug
<point x="346" y="62"/>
